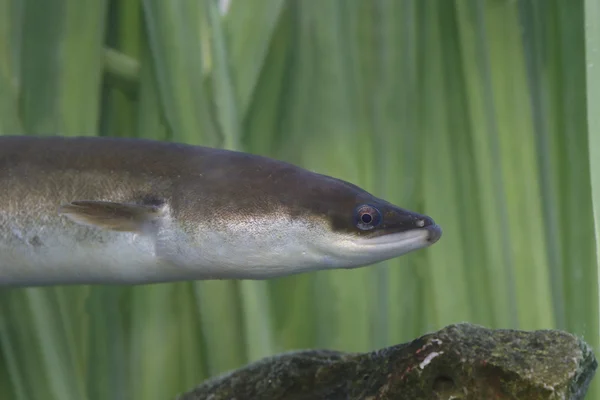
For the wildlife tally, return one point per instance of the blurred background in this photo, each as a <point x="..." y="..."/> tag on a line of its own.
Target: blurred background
<point x="475" y="112"/>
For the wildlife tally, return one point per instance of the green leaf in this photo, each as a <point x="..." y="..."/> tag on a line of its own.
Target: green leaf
<point x="42" y="30"/>
<point x="249" y="28"/>
<point x="173" y="30"/>
<point x="10" y="18"/>
<point x="61" y="66"/>
<point x="590" y="272"/>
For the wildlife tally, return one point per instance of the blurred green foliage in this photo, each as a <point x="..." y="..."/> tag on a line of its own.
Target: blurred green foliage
<point x="472" y="111"/>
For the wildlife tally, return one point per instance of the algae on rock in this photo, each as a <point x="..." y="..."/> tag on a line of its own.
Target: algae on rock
<point x="461" y="361"/>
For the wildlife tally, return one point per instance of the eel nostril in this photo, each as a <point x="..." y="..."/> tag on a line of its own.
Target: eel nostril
<point x="424" y="221"/>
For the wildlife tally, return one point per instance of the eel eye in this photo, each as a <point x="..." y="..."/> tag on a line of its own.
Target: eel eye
<point x="367" y="217"/>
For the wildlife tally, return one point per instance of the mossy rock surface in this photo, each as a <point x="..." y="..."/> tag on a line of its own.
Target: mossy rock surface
<point x="461" y="361"/>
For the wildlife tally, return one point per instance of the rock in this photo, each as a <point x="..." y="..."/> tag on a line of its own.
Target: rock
<point x="462" y="361"/>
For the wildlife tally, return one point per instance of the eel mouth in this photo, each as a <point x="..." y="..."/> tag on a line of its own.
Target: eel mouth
<point x="435" y="233"/>
<point x="414" y="238"/>
<point x="429" y="234"/>
<point x="361" y="251"/>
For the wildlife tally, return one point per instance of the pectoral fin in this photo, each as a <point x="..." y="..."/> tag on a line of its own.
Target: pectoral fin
<point x="120" y="217"/>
